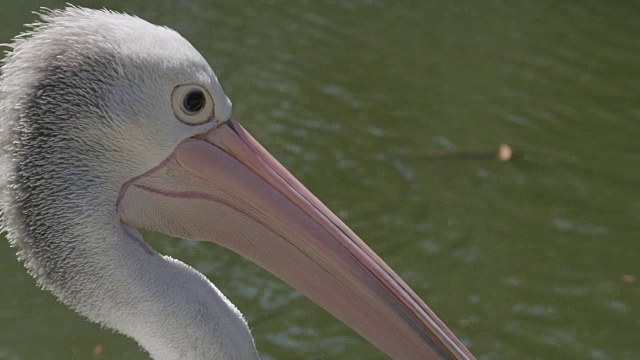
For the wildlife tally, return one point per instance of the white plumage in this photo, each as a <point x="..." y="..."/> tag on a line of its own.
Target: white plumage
<point x="77" y="91"/>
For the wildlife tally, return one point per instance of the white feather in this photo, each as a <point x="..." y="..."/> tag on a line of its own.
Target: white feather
<point x="84" y="108"/>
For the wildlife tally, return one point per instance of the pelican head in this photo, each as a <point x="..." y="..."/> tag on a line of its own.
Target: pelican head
<point x="109" y="124"/>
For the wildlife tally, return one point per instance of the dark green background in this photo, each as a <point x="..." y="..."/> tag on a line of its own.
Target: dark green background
<point x="532" y="259"/>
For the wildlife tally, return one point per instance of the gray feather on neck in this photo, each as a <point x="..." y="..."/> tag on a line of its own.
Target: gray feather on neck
<point x="75" y="93"/>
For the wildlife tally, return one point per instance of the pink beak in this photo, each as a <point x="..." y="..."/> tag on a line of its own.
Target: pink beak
<point x="224" y="187"/>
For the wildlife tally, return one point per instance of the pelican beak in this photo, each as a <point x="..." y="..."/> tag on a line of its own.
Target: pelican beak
<point x="224" y="187"/>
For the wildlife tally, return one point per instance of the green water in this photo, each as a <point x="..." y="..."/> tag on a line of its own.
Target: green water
<point x="536" y="258"/>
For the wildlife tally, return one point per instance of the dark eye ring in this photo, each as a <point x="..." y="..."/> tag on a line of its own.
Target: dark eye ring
<point x="194" y="101"/>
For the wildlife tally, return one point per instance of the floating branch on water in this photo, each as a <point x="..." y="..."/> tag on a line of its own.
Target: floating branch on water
<point x="504" y="153"/>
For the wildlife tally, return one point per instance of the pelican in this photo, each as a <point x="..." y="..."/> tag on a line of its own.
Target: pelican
<point x="109" y="124"/>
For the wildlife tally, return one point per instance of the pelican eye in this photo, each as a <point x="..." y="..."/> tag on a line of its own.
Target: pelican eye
<point x="192" y="104"/>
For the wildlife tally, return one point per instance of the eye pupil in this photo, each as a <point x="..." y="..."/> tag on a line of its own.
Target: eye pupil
<point x="193" y="102"/>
